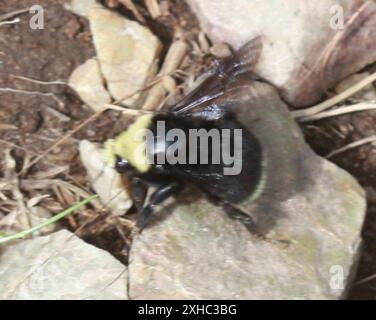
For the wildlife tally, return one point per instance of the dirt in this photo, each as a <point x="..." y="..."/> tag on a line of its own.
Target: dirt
<point x="34" y="122"/>
<point x="31" y="123"/>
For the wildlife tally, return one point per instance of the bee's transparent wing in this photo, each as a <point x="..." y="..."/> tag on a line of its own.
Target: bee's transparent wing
<point x="216" y="95"/>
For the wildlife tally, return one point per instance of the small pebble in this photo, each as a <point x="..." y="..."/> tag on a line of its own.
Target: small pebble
<point x="220" y="50"/>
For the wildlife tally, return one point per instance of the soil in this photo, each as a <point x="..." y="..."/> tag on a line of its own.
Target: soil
<point x="31" y="123"/>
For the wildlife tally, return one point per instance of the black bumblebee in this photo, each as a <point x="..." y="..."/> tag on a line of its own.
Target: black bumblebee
<point x="216" y="106"/>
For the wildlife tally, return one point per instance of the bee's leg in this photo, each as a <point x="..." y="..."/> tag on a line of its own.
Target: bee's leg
<point x="139" y="191"/>
<point x="237" y="214"/>
<point x="163" y="192"/>
<point x="251" y="225"/>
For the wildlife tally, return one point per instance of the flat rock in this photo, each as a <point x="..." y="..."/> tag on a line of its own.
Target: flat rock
<point x="311" y="212"/>
<point x="307" y="48"/>
<point x="105" y="180"/>
<point x="128" y="54"/>
<point x="60" y="266"/>
<point x="88" y="82"/>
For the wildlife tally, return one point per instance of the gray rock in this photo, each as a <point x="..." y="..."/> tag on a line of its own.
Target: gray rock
<point x="82" y="7"/>
<point x="60" y="266"/>
<point x="310" y="210"/>
<point x="306" y="48"/>
<point x="88" y="82"/>
<point x="128" y="54"/>
<point x="105" y="180"/>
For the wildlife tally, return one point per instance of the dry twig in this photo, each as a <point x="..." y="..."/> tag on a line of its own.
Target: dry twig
<point x="352" y="145"/>
<point x="174" y="57"/>
<point x="37" y="93"/>
<point x="145" y="88"/>
<point x="127" y="111"/>
<point x="153" y="8"/>
<point x="13" y="14"/>
<point x="57" y="82"/>
<point x="339" y="111"/>
<point x="14" y="21"/>
<point x="10" y="144"/>
<point x="336" y="99"/>
<point x="133" y="8"/>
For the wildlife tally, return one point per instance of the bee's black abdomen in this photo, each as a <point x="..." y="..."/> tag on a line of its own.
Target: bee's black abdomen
<point x="209" y="177"/>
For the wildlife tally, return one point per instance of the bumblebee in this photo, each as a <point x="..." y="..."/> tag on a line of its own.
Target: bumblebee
<point x="220" y="106"/>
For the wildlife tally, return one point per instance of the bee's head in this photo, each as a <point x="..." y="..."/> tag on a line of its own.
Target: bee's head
<point x="122" y="165"/>
<point x="126" y="152"/>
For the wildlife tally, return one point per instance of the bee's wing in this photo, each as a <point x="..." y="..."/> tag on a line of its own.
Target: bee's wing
<point x="213" y="97"/>
<point x="234" y="94"/>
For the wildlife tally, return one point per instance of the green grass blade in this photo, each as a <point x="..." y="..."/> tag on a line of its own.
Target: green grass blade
<point x="52" y="220"/>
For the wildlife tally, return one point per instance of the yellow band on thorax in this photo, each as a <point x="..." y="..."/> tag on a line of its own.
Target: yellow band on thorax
<point x="131" y="145"/>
